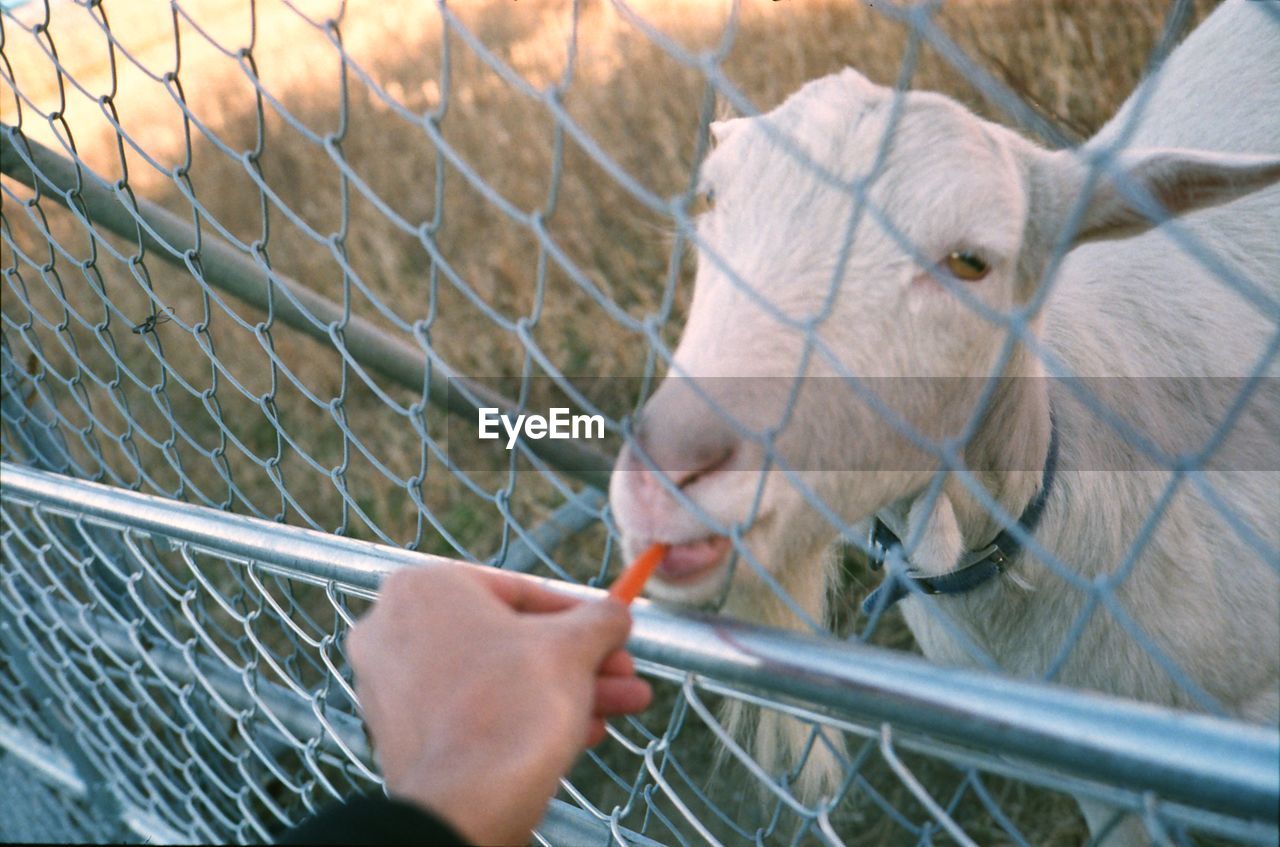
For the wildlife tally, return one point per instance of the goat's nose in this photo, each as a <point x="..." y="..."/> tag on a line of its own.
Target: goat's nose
<point x="683" y="434"/>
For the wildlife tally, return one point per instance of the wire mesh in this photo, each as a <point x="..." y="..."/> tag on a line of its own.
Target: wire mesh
<point x="258" y="691"/>
<point x="270" y="258"/>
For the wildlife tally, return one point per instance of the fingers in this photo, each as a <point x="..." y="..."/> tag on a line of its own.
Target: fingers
<point x="595" y="732"/>
<point x="618" y="690"/>
<point x="518" y="592"/>
<point x="515" y="591"/>
<point x="412" y="592"/>
<point x="616" y="696"/>
<point x="524" y="594"/>
<point x="589" y="632"/>
<point x="621" y="695"/>
<point x="617" y="663"/>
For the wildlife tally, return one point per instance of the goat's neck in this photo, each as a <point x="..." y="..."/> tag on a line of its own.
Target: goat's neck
<point x="1007" y="456"/>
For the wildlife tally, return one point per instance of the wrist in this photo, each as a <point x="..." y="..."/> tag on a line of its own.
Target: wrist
<point x="453" y="795"/>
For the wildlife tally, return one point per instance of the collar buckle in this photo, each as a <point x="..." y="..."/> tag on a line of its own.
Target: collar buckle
<point x="991" y="553"/>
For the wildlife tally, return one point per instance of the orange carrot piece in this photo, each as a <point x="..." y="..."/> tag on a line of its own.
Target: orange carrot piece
<point x="630" y="582"/>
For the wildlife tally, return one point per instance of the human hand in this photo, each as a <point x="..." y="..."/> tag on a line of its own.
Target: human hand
<point x="480" y="688"/>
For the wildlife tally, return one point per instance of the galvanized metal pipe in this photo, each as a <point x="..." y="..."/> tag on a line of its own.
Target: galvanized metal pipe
<point x="1202" y="761"/>
<point x="231" y="270"/>
<point x="576" y="514"/>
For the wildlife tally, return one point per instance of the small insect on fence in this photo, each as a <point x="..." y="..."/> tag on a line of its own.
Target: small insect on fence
<point x="300" y="293"/>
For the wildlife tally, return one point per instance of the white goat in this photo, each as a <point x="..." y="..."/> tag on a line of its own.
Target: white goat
<point x="983" y="208"/>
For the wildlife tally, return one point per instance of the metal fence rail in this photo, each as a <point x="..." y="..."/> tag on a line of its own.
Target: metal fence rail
<point x="1050" y="735"/>
<point x="263" y="262"/>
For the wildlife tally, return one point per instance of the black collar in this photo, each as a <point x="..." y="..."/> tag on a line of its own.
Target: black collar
<point x="976" y="568"/>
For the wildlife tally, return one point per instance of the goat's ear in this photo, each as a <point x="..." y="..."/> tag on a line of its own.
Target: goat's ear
<point x="1140" y="188"/>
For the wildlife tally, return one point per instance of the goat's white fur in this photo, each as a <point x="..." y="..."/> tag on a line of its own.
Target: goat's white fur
<point x="1207" y="145"/>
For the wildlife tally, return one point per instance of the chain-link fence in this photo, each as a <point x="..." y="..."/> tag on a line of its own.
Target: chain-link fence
<point x="268" y="261"/>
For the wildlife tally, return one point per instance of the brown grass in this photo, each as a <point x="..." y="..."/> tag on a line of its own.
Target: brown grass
<point x="1076" y="60"/>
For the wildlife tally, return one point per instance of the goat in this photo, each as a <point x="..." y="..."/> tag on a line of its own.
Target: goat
<point x="957" y="238"/>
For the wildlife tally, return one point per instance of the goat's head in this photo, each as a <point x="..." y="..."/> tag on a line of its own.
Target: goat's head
<point x="852" y="235"/>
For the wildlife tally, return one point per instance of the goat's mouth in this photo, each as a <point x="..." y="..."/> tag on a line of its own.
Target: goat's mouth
<point x="692" y="561"/>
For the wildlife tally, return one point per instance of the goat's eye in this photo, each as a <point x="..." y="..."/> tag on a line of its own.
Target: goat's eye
<point x="704" y="202"/>
<point x="966" y="266"/>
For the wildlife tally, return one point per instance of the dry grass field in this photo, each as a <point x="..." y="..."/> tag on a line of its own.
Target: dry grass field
<point x="329" y="167"/>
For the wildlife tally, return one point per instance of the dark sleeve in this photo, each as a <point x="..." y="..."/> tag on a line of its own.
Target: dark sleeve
<point x="373" y="819"/>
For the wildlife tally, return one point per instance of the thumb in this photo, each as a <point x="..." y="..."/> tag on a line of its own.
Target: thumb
<point x="591" y="631"/>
